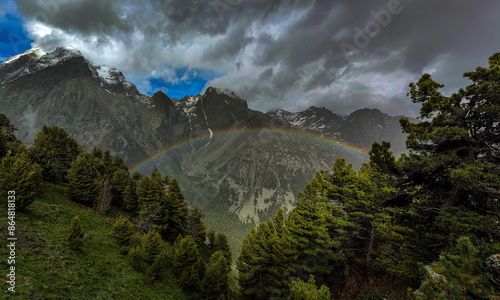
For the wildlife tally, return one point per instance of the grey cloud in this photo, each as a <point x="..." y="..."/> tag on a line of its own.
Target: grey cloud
<point x="229" y="47"/>
<point x="304" y="56"/>
<point x="86" y="17"/>
<point x="266" y="74"/>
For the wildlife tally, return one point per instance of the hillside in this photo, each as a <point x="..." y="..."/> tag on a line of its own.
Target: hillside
<point x="80" y="225"/>
<point x="46" y="268"/>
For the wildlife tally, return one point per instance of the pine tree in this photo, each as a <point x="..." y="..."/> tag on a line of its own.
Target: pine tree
<point x="156" y="175"/>
<point x="119" y="180"/>
<point x="3" y="145"/>
<point x="76" y="234"/>
<point x="54" y="150"/>
<point x="197" y="228"/>
<point x="130" y="199"/>
<point x="308" y="226"/>
<point x="265" y="261"/>
<point x="177" y="212"/>
<point x="457" y="275"/>
<point x="167" y="180"/>
<point x="18" y="174"/>
<point x="215" y="284"/>
<point x="123" y="230"/>
<point x="154" y="270"/>
<point x="136" y="257"/>
<point x="137" y="176"/>
<point x="5" y="123"/>
<point x="8" y="141"/>
<point x="454" y="154"/>
<point x="221" y="244"/>
<point x="187" y="263"/>
<point x="153" y="209"/>
<point x="107" y="160"/>
<point x="97" y="152"/>
<point x="211" y="240"/>
<point x="118" y="164"/>
<point x="452" y="167"/>
<point x="300" y="290"/>
<point x="84" y="179"/>
<point x="152" y="245"/>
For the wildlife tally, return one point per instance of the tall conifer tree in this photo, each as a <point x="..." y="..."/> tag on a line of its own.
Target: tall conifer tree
<point x="187" y="263"/>
<point x="84" y="179"/>
<point x="18" y="174"/>
<point x="216" y="284"/>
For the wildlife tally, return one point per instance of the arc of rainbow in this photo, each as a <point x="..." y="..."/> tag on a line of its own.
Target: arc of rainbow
<point x="340" y="144"/>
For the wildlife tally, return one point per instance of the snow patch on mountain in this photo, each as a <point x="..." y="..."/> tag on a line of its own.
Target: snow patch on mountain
<point x="315" y="119"/>
<point x="188" y="101"/>
<point x="111" y="76"/>
<point x="58" y="56"/>
<point x="36" y="59"/>
<point x="36" y="51"/>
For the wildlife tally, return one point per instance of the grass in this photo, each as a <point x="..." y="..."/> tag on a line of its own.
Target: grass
<point x="46" y="268"/>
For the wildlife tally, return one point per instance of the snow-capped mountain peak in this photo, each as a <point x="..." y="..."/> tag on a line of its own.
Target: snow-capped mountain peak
<point x="33" y="52"/>
<point x="110" y="76"/>
<point x="58" y="56"/>
<point x="36" y="59"/>
<point x="188" y="101"/>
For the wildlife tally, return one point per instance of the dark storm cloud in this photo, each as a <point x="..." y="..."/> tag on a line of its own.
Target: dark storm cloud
<point x="84" y="17"/>
<point x="229" y="47"/>
<point x="279" y="51"/>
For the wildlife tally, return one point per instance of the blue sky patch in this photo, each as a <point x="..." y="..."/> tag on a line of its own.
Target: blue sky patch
<point x="192" y="85"/>
<point x="13" y="37"/>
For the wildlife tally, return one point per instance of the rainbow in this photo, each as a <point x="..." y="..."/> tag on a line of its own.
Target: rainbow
<point x="343" y="145"/>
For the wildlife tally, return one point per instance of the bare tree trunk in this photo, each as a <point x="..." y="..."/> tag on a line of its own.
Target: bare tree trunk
<point x="105" y="198"/>
<point x="370" y="248"/>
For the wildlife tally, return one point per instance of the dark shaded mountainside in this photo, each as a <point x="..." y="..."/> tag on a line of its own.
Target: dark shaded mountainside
<point x="226" y="156"/>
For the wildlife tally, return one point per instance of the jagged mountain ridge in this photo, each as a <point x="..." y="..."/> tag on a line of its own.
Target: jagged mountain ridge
<point x="250" y="171"/>
<point x="361" y="128"/>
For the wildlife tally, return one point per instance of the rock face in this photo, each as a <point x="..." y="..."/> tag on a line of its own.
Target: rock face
<point x="493" y="267"/>
<point x="62" y="88"/>
<point x="226" y="156"/>
<point x="361" y="128"/>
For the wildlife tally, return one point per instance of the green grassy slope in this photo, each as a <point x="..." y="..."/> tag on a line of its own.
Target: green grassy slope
<point x="46" y="268"/>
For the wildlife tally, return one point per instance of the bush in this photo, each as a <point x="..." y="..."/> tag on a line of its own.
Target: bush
<point x="123" y="231"/>
<point x="76" y="234"/>
<point x="136" y="257"/>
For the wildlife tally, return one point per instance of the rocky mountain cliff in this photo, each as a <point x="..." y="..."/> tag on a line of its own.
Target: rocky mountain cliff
<point x="226" y="156"/>
<point x="361" y="128"/>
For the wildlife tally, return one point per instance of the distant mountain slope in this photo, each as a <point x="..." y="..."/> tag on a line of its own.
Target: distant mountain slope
<point x="361" y="128"/>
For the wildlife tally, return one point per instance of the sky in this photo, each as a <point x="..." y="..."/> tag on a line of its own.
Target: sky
<point x="339" y="54"/>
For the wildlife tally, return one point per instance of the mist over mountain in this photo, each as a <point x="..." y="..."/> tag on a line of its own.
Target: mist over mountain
<point x="226" y="156"/>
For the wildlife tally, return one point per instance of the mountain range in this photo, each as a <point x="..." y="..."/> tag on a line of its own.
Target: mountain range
<point x="227" y="157"/>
